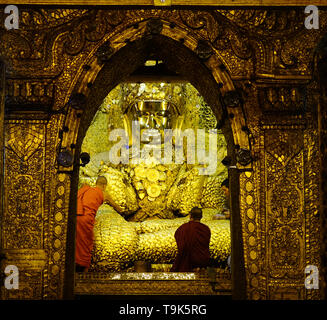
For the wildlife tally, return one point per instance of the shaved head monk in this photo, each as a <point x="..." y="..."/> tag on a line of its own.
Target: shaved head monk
<point x="193" y="239"/>
<point x="88" y="201"/>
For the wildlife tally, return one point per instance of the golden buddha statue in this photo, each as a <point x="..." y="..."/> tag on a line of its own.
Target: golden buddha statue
<point x="152" y="198"/>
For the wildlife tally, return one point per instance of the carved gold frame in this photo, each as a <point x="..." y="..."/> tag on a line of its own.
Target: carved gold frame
<point x="281" y="139"/>
<point x="99" y="73"/>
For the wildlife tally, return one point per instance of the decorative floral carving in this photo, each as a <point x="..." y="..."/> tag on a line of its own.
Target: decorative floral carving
<point x="271" y="23"/>
<point x="287" y="99"/>
<point x="285" y="194"/>
<point x="242" y="33"/>
<point x="24" y="139"/>
<point x="285" y="245"/>
<point x="203" y="21"/>
<point x="75" y="41"/>
<point x="24" y="212"/>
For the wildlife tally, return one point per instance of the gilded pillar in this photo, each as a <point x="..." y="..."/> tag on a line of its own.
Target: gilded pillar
<point x="289" y="202"/>
<point x="24" y="218"/>
<point x="35" y="206"/>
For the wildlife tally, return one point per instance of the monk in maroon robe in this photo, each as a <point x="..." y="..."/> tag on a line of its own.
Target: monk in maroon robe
<point x="88" y="202"/>
<point x="193" y="239"/>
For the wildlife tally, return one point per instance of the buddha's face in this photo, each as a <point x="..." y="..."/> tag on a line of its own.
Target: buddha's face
<point x="153" y="115"/>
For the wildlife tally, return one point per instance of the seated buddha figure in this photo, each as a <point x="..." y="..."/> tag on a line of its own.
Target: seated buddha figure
<point x="152" y="198"/>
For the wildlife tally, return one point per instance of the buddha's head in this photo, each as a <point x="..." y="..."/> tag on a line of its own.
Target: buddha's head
<point x="152" y="115"/>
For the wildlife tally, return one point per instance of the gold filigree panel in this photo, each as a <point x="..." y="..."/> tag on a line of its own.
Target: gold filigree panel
<point x="23" y="230"/>
<point x="291" y="229"/>
<point x="284" y="203"/>
<point x="36" y="206"/>
<point x="24" y="196"/>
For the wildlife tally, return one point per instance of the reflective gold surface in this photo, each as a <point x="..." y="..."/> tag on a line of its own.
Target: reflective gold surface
<point x="156" y="283"/>
<point x="153" y="190"/>
<point x="119" y="243"/>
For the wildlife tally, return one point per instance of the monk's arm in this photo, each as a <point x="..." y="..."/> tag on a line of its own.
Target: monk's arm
<point x="109" y="200"/>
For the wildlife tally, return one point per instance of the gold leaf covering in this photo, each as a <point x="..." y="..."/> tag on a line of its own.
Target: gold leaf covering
<point x="120" y="190"/>
<point x="119" y="243"/>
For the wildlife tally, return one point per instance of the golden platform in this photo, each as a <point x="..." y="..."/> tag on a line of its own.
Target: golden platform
<point x="153" y="283"/>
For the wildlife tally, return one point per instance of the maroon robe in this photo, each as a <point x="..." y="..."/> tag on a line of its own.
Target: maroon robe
<point x="193" y="239"/>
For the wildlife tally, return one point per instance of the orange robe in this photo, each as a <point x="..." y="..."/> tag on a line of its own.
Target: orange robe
<point x="88" y="201"/>
<point x="193" y="239"/>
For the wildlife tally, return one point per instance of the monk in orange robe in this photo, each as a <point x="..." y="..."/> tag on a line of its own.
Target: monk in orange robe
<point x="88" y="202"/>
<point x="193" y="239"/>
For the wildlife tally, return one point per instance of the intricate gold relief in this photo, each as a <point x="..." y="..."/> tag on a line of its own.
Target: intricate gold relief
<point x="55" y="238"/>
<point x="24" y="197"/>
<point x="153" y="283"/>
<point x="29" y="286"/>
<point x="283" y="99"/>
<point x="285" y="205"/>
<point x="311" y="204"/>
<point x="24" y="214"/>
<point x="286" y="291"/>
<point x="24" y="139"/>
<point x="57" y="242"/>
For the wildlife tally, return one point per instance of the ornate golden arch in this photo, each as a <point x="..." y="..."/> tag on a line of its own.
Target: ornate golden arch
<point x="86" y="79"/>
<point x="106" y="66"/>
